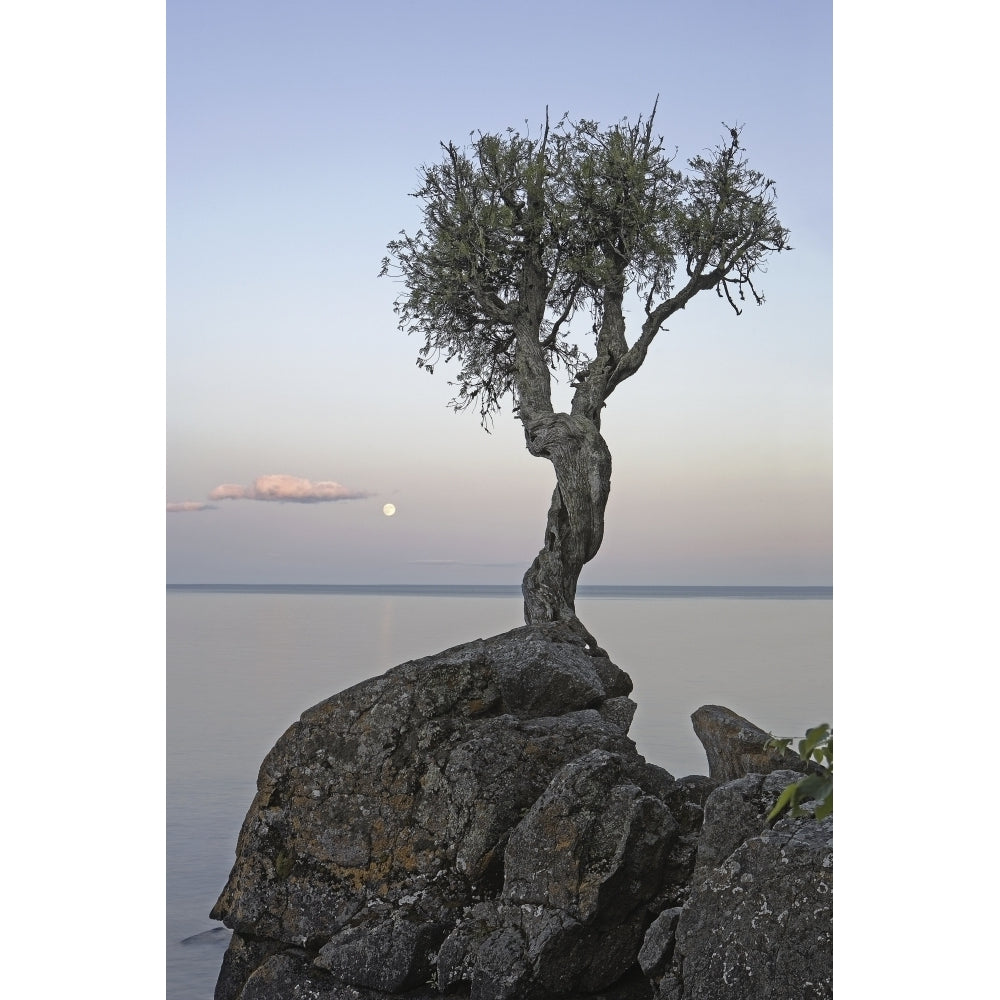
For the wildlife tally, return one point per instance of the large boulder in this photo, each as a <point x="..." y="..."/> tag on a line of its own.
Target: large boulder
<point x="757" y="923"/>
<point x="735" y="746"/>
<point x="498" y="775"/>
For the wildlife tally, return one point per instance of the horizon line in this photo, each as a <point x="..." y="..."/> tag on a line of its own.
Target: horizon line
<point x="516" y="586"/>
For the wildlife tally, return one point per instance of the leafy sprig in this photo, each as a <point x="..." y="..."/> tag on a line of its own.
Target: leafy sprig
<point x="816" y="749"/>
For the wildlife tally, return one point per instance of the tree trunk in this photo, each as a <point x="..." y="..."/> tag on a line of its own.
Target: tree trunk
<point x="575" y="525"/>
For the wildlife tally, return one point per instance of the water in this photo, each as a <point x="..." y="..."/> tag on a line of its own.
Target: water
<point x="243" y="662"/>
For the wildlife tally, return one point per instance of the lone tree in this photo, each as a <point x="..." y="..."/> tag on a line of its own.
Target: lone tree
<point x="522" y="235"/>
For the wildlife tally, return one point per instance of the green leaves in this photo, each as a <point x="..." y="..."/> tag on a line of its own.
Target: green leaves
<point x="781" y="745"/>
<point x="816" y="748"/>
<point x="523" y="235"/>
<point x="818" y="745"/>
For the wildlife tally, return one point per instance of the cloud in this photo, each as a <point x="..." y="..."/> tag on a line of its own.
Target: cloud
<point x="291" y="489"/>
<point x="231" y="491"/>
<point x="189" y="505"/>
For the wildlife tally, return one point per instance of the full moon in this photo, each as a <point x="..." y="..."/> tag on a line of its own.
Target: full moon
<point x="389" y="509"/>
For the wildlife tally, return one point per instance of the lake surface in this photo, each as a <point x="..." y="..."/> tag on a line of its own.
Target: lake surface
<point x="243" y="662"/>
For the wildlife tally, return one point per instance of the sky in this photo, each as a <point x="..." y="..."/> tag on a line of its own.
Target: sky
<point x="295" y="133"/>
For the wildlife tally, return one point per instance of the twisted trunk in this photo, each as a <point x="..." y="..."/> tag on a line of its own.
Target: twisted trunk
<point x="572" y="442"/>
<point x="575" y="526"/>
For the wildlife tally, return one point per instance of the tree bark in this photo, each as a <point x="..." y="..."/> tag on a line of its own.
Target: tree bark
<point x="575" y="526"/>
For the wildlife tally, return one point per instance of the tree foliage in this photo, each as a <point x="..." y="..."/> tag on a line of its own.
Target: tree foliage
<point x="529" y="237"/>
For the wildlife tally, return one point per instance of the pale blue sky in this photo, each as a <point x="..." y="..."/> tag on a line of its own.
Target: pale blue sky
<point x="294" y="136"/>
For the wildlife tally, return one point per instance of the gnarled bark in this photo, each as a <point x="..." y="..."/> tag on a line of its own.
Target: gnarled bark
<point x="575" y="526"/>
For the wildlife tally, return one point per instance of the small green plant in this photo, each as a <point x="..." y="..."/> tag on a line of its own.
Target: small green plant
<point x="817" y="749"/>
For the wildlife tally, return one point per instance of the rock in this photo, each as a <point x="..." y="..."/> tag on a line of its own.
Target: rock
<point x="392" y="955"/>
<point x="759" y="927"/>
<point x="590" y="842"/>
<point x="735" y="812"/>
<point x="757" y="921"/>
<point x="478" y="823"/>
<point x="736" y="747"/>
<point x="686" y="800"/>
<point x="658" y="944"/>
<point x="291" y="974"/>
<point x="579" y="870"/>
<point x="386" y="811"/>
<point x="242" y="957"/>
<point x="619" y="711"/>
<point x="501" y="969"/>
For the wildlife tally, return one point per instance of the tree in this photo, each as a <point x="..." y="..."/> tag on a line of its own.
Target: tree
<point x="525" y="236"/>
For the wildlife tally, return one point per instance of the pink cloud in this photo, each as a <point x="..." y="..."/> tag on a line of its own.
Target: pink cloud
<point x="231" y="491"/>
<point x="188" y="505"/>
<point x="287" y="489"/>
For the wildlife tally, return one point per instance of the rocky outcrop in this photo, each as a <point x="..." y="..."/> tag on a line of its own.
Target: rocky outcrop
<point x="757" y="923"/>
<point x="735" y="747"/>
<point x="386" y="815"/>
<point x="761" y="926"/>
<point x="478" y="823"/>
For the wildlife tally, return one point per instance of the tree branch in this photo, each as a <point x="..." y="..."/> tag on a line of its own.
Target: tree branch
<point x="636" y="354"/>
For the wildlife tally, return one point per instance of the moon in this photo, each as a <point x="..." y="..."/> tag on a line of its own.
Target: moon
<point x="389" y="509"/>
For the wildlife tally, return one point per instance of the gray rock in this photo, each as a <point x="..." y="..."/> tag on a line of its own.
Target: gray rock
<point x="501" y="970"/>
<point x="619" y="711"/>
<point x="734" y="812"/>
<point x="759" y="926"/>
<point x="685" y="799"/>
<point x="579" y="870"/>
<point x="756" y="920"/>
<point x="658" y="944"/>
<point x="735" y="746"/>
<point x="392" y="955"/>
<point x="457" y="956"/>
<point x="589" y="844"/>
<point x="291" y="974"/>
<point x="242" y="957"/>
<point x="386" y="810"/>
